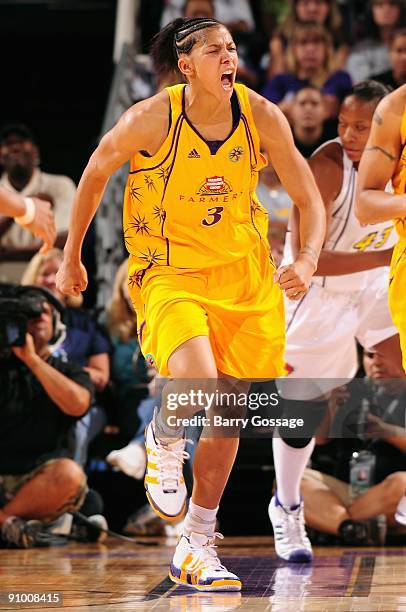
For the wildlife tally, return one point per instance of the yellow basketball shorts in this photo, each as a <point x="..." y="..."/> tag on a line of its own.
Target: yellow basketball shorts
<point x="236" y="305"/>
<point x="397" y="293"/>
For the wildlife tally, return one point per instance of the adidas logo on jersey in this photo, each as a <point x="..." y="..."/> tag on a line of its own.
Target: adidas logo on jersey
<point x="193" y="154"/>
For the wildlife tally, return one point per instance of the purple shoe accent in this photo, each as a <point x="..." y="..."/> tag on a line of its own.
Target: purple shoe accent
<point x="301" y="556"/>
<point x="175" y="571"/>
<point x="278" y="503"/>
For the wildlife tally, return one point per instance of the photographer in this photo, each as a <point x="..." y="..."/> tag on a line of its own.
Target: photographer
<point x="361" y="474"/>
<point x="40" y="398"/>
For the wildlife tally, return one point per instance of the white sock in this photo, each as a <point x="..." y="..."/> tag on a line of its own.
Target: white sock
<point x="200" y="520"/>
<point x="289" y="465"/>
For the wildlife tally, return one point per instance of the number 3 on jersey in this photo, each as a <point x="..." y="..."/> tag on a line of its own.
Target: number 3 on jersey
<point x="375" y="239"/>
<point x="214" y="216"/>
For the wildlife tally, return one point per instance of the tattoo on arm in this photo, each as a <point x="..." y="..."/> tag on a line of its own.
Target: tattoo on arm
<point x="308" y="250"/>
<point x="386" y="153"/>
<point x="377" y="118"/>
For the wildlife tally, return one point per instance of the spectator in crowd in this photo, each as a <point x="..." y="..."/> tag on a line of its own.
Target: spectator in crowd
<point x="20" y="159"/>
<point x="33" y="214"/>
<point x="309" y="127"/>
<point x="371" y="55"/>
<point x="198" y="8"/>
<point x="235" y="14"/>
<point x="42" y="396"/>
<point x="396" y="76"/>
<point x="323" y="12"/>
<point x="85" y="344"/>
<point x="329" y="506"/>
<point x="130" y="376"/>
<point x="309" y="60"/>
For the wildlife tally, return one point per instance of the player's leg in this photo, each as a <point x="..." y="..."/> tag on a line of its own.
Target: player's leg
<point x="195" y="561"/>
<point x="190" y="365"/>
<point x="321" y="353"/>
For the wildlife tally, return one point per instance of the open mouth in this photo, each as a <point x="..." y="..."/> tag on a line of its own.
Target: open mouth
<point x="227" y="80"/>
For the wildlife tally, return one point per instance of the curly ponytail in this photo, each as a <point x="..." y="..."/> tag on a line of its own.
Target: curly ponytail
<point x="179" y="36"/>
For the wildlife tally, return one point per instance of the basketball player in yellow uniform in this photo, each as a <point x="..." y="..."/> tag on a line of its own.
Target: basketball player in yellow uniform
<point x="384" y="159"/>
<point x="207" y="296"/>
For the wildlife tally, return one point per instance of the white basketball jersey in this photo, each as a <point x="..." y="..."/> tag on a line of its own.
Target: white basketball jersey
<point x="345" y="233"/>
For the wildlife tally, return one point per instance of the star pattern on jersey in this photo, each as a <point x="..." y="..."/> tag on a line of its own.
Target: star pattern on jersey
<point x="255" y="207"/>
<point x="151" y="257"/>
<point x="163" y="173"/>
<point x="140" y="224"/>
<point x="149" y="182"/>
<point x="136" y="278"/>
<point x="159" y="213"/>
<point x="135" y="192"/>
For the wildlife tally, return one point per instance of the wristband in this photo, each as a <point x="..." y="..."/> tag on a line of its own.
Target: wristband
<point x="29" y="215"/>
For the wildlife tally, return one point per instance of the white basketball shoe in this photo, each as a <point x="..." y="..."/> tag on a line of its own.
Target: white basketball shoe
<point x="164" y="483"/>
<point x="291" y="541"/>
<point x="196" y="564"/>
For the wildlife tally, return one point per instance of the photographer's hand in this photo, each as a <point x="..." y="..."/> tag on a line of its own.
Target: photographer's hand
<point x="27" y="353"/>
<point x="69" y="396"/>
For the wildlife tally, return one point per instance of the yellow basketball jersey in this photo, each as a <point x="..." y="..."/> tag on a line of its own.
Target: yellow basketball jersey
<point x="190" y="205"/>
<point x="399" y="177"/>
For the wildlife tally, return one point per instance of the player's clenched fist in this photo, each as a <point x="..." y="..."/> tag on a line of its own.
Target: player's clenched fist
<point x="295" y="278"/>
<point x="71" y="279"/>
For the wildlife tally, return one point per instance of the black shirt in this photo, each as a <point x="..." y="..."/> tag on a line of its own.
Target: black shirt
<point x="386" y="78"/>
<point x="329" y="132"/>
<point x="33" y="428"/>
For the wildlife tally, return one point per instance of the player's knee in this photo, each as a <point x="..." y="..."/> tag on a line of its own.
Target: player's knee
<point x="198" y="369"/>
<point x="309" y="413"/>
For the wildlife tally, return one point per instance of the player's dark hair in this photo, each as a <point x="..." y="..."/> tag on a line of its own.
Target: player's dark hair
<point x="179" y="36"/>
<point x="370" y="90"/>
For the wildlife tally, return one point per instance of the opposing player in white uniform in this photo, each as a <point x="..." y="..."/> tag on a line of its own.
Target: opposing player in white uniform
<point x="347" y="301"/>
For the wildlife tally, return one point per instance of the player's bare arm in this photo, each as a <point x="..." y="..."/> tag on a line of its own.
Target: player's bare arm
<point x="379" y="161"/>
<point x="142" y="128"/>
<point x="296" y="177"/>
<point x="327" y="168"/>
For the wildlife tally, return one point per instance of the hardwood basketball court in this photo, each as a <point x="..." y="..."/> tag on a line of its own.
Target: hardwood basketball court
<point x="124" y="576"/>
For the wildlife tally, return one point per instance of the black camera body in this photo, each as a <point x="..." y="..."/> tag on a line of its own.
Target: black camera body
<point x="19" y="304"/>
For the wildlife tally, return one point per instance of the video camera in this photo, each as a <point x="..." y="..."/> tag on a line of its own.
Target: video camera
<point x="19" y="304"/>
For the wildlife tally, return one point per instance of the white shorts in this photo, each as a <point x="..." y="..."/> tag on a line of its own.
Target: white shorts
<point x="321" y="335"/>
